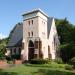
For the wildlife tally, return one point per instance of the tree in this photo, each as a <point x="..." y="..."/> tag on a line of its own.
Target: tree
<point x="66" y="31"/>
<point x="3" y="44"/>
<point x="67" y="52"/>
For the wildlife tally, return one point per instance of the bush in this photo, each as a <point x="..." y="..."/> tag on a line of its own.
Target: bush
<point x="39" y="61"/>
<point x="8" y="58"/>
<point x="72" y="61"/>
<point x="69" y="67"/>
<point x="59" y="61"/>
<point x="9" y="62"/>
<point x="67" y="51"/>
<point x="15" y="56"/>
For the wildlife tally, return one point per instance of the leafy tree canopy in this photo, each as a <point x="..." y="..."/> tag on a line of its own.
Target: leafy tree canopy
<point x="66" y="31"/>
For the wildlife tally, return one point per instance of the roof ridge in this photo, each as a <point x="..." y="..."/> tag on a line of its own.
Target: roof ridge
<point x="35" y="10"/>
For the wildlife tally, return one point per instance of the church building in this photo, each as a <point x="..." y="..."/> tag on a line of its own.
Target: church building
<point x="36" y="37"/>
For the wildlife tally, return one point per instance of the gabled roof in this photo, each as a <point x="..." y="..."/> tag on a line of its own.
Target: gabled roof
<point x="17" y="36"/>
<point x="49" y="26"/>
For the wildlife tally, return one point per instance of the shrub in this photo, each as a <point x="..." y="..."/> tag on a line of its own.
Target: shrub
<point x="67" y="51"/>
<point x="8" y="58"/>
<point x="15" y="56"/>
<point x="72" y="61"/>
<point x="9" y="62"/>
<point x="39" y="61"/>
<point x="48" y="60"/>
<point x="68" y="67"/>
<point x="58" y="60"/>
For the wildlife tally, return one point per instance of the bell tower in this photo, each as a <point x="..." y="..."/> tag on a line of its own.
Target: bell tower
<point x="34" y="29"/>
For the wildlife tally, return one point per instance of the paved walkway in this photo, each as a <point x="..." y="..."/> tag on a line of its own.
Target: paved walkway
<point x="4" y="64"/>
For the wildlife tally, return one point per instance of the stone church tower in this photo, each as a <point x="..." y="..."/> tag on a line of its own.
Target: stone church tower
<point x="36" y="34"/>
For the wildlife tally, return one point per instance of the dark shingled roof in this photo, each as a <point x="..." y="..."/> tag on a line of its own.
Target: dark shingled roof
<point x="49" y="26"/>
<point x="17" y="36"/>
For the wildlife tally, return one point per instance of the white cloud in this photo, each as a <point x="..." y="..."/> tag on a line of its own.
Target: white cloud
<point x="2" y="36"/>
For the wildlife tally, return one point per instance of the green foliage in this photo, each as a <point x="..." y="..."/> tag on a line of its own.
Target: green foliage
<point x="16" y="56"/>
<point x="34" y="70"/>
<point x="67" y="52"/>
<point x="39" y="61"/>
<point x="8" y="58"/>
<point x="68" y="67"/>
<point x="49" y="65"/>
<point x="10" y="62"/>
<point x="3" y="43"/>
<point x="66" y="31"/>
<point x="7" y="73"/>
<point x="72" y="61"/>
<point x="59" y="61"/>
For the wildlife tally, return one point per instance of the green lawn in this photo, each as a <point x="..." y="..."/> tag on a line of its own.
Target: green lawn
<point x="46" y="69"/>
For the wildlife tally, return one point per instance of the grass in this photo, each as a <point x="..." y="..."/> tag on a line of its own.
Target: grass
<point x="29" y="69"/>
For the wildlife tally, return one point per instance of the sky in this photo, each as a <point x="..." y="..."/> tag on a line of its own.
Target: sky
<point x="11" y="11"/>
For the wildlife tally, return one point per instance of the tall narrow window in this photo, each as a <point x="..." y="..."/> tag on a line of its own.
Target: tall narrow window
<point x="15" y="51"/>
<point x="11" y="51"/>
<point x="19" y="50"/>
<point x="32" y="33"/>
<point x="29" y="22"/>
<point x="32" y="21"/>
<point x="29" y="34"/>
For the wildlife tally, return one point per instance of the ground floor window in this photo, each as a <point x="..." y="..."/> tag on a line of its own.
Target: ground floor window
<point x="16" y="53"/>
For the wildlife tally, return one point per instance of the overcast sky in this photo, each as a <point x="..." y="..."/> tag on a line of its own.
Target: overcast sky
<point x="11" y="11"/>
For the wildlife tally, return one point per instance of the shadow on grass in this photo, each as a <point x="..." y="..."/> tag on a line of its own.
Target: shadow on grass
<point x="37" y="65"/>
<point x="7" y="73"/>
<point x="46" y="66"/>
<point x="52" y="72"/>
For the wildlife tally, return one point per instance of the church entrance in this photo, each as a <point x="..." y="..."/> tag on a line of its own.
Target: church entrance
<point x="30" y="50"/>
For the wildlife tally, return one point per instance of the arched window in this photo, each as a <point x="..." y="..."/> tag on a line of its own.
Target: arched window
<point x="31" y="44"/>
<point x="29" y="34"/>
<point x="11" y="51"/>
<point x="15" y="51"/>
<point x="32" y="33"/>
<point x="29" y="22"/>
<point x="19" y="50"/>
<point x="32" y="22"/>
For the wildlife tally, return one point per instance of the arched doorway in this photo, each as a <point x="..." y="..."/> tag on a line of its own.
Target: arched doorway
<point x="31" y="50"/>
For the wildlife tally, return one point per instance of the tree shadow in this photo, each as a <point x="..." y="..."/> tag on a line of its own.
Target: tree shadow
<point x="52" y="72"/>
<point x="37" y="65"/>
<point x="7" y="73"/>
